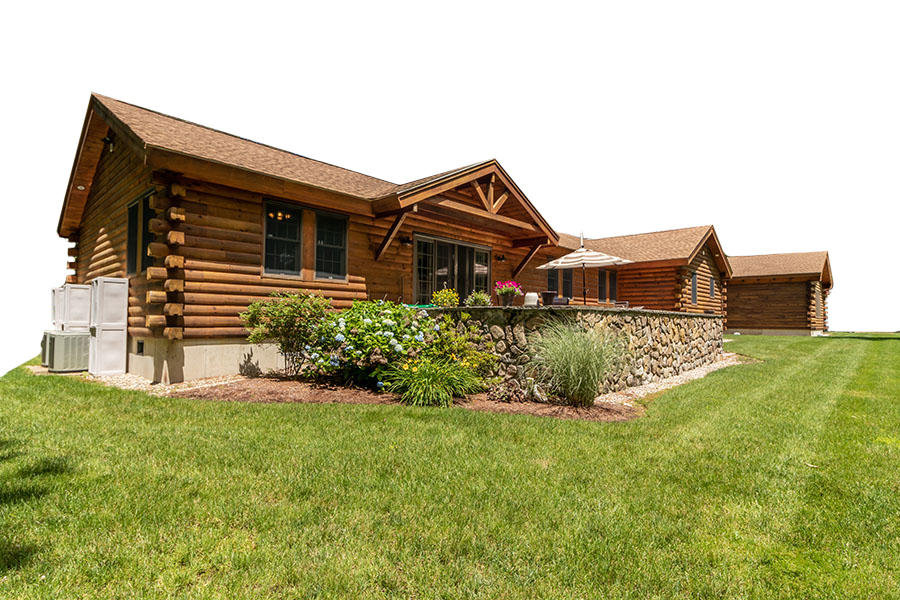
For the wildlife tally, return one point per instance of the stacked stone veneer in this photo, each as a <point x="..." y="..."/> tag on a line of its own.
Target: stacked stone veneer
<point x="660" y="344"/>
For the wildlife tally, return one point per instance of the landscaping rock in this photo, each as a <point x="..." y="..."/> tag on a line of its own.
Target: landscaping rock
<point x="660" y="344"/>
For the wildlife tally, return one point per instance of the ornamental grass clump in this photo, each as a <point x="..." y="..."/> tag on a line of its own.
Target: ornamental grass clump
<point x="573" y="362"/>
<point x="432" y="382"/>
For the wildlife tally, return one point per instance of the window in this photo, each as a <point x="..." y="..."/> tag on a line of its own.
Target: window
<point x="134" y="217"/>
<point x="445" y="263"/>
<point x="331" y="246"/>
<point x="139" y="236"/>
<point x="819" y="300"/>
<point x="694" y="288"/>
<point x="712" y="286"/>
<point x="567" y="283"/>
<point x="607" y="287"/>
<point x="553" y="281"/>
<point x="282" y="252"/>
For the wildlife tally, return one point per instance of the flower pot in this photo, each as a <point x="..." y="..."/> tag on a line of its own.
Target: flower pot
<point x="506" y="299"/>
<point x="547" y="298"/>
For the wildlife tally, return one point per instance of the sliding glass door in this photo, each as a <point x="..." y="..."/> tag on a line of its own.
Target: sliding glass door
<point x="449" y="264"/>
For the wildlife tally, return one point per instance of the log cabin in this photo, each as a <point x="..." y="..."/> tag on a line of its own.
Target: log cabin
<point x="202" y="223"/>
<point x="779" y="294"/>
<point x="680" y="270"/>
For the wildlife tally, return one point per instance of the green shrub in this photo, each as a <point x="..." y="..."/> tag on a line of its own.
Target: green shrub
<point x="447" y="298"/>
<point x="477" y="298"/>
<point x="432" y="382"/>
<point x="291" y="321"/>
<point x="461" y="343"/>
<point x="573" y="362"/>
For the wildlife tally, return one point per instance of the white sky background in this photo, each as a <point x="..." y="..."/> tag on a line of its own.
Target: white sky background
<point x="778" y="122"/>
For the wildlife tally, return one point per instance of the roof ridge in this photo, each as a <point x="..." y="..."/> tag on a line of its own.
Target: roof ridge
<point x="424" y="177"/>
<point x="777" y="254"/>
<point x="649" y="232"/>
<point x="237" y="137"/>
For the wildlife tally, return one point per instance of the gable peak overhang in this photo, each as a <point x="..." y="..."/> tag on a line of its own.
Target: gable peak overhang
<point x="718" y="253"/>
<point x="480" y="192"/>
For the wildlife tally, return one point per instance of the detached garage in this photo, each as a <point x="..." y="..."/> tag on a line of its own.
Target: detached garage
<point x="779" y="294"/>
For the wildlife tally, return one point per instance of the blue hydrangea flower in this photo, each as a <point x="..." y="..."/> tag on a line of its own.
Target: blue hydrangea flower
<point x="306" y="347"/>
<point x="314" y="355"/>
<point x="367" y="321"/>
<point x="437" y="327"/>
<point x="405" y="336"/>
<point x="389" y="334"/>
<point x="380" y="384"/>
<point x="389" y="323"/>
<point x="348" y="348"/>
<point x="398" y="348"/>
<point x="339" y="337"/>
<point x="334" y="360"/>
<point x="420" y="337"/>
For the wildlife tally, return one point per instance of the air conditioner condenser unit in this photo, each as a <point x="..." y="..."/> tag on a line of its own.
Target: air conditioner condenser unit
<point x="67" y="351"/>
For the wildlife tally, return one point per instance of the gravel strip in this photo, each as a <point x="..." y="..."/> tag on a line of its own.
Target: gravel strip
<point x="627" y="396"/>
<point x="127" y="381"/>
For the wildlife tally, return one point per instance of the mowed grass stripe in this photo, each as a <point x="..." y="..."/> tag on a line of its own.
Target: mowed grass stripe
<point x="114" y="494"/>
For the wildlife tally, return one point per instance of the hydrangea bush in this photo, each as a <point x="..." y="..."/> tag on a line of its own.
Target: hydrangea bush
<point x="360" y="343"/>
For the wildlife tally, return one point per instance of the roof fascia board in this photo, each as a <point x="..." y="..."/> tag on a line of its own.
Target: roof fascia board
<point x="202" y="169"/>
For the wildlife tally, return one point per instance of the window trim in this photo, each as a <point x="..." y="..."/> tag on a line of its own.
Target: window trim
<point x="293" y="207"/>
<point x="562" y="284"/>
<point x="141" y="259"/>
<point x="435" y="239"/>
<point x="346" y="261"/>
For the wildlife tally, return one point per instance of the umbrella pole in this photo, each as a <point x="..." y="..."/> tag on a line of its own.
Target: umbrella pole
<point x="583" y="285"/>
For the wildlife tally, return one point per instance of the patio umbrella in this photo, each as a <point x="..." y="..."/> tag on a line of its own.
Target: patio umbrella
<point x="584" y="258"/>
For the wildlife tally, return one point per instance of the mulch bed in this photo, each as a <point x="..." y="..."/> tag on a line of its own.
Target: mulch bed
<point x="273" y="390"/>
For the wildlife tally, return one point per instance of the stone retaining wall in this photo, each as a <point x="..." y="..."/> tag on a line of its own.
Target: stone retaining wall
<point x="660" y="344"/>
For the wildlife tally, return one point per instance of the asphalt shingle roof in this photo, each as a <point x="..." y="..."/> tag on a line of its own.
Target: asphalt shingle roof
<point x="674" y="244"/>
<point x="772" y="265"/>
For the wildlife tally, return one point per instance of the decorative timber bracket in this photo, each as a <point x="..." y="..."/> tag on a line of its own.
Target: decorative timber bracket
<point x="394" y="229"/>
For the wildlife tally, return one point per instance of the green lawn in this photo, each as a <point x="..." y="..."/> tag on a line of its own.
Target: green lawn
<point x="774" y="479"/>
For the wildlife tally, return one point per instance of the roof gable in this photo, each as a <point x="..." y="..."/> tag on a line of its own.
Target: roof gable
<point x="674" y="245"/>
<point x="150" y="134"/>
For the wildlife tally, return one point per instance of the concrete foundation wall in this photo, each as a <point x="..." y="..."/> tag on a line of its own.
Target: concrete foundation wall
<point x="174" y="361"/>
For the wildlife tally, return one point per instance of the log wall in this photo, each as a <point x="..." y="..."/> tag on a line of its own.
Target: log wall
<point x="215" y="259"/>
<point x="705" y="266"/>
<point x="101" y="249"/>
<point x="768" y="305"/>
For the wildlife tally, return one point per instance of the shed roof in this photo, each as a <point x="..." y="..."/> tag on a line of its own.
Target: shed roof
<point x="796" y="264"/>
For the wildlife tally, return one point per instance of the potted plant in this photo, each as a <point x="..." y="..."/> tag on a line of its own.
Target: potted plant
<point x="506" y="291"/>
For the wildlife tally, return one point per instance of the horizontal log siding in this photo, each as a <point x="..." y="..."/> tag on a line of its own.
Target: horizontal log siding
<point x="705" y="266"/>
<point x="223" y="259"/>
<point x="768" y="305"/>
<point x="654" y="288"/>
<point x="103" y="232"/>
